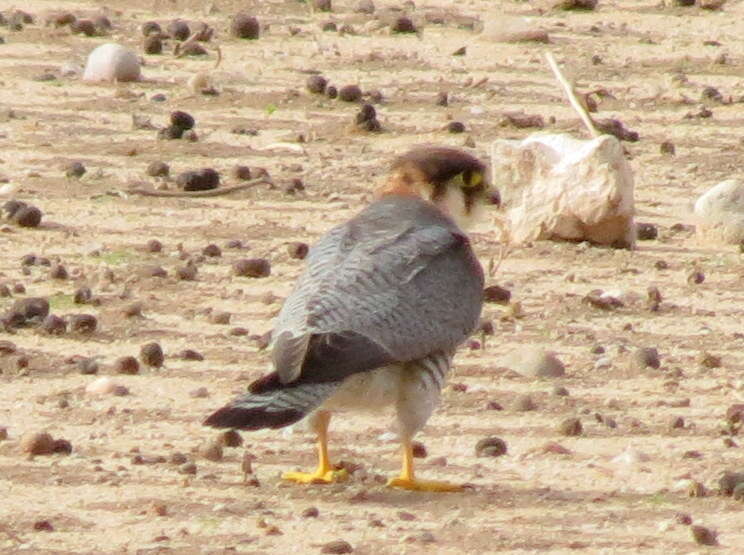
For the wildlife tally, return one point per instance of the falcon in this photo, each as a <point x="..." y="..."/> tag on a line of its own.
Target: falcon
<point x="375" y="318"/>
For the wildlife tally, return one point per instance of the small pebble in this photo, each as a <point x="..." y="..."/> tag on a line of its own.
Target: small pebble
<point x="53" y="325"/>
<point x="316" y="84"/>
<point x="350" y="93"/>
<point x="571" y="427"/>
<point x="126" y="365"/>
<point x="211" y="451"/>
<point x="298" y="250"/>
<point x="490" y="447"/>
<point x="245" y="26"/>
<point x="703" y="535"/>
<point x="456" y="127"/>
<point x="646" y="357"/>
<point x="230" y="438"/>
<point x="83" y="323"/>
<point x="403" y="25"/>
<point x="310" y="512"/>
<point x="337" y="547"/>
<point x="75" y="169"/>
<point x="37" y="443"/>
<point x="496" y="294"/>
<point x="252" y="267"/>
<point x="151" y="354"/>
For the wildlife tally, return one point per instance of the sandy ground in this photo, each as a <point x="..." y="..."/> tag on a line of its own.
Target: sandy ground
<point x="109" y="493"/>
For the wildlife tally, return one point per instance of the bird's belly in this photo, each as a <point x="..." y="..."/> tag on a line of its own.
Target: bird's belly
<point x="367" y="390"/>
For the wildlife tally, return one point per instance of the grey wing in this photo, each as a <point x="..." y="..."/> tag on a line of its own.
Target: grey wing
<point x="394" y="295"/>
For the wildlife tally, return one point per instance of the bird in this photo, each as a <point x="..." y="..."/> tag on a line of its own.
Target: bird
<point x="375" y="317"/>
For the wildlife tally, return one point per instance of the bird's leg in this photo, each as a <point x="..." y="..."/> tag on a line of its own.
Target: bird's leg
<point x="406" y="480"/>
<point x="325" y="473"/>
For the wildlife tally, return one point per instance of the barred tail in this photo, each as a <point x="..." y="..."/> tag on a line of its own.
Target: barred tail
<point x="271" y="408"/>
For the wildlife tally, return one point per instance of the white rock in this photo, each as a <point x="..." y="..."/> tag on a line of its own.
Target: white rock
<point x="719" y="212"/>
<point x="561" y="188"/>
<point x="534" y="362"/>
<point x="105" y="386"/>
<point x="112" y="62"/>
<point x="631" y="456"/>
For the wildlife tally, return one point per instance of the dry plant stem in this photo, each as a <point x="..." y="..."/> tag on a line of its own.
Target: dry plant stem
<point x="568" y="89"/>
<point x="198" y="194"/>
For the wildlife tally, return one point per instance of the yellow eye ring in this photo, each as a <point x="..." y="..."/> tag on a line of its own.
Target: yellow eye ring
<point x="472" y="179"/>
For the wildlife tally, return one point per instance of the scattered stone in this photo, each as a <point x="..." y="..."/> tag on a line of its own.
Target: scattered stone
<point x="683" y="518"/>
<point x="719" y="213"/>
<point x="87" y="366"/>
<point x="331" y="91"/>
<point x="204" y="179"/>
<point x="83" y="323"/>
<point x="645" y="357"/>
<point x="82" y="295"/>
<point x="113" y="63"/>
<point x="602" y="300"/>
<point x="456" y="127"/>
<point x="27" y="216"/>
<point x="676" y="423"/>
<point x="696" y="277"/>
<point x="153" y="45"/>
<point x="544" y="202"/>
<point x="199" y="393"/>
<point x="703" y="535"/>
<point x="560" y="391"/>
<point x="83" y="27"/>
<point x="242" y="173"/>
<point x="490" y="447"/>
<point x="585" y="5"/>
<point x="323" y="5"/>
<point x="403" y="24"/>
<point x="654" y="298"/>
<point x="310" y="512"/>
<point x="646" y="232"/>
<point x="187" y="468"/>
<point x="298" y="250"/>
<point x="252" y="267"/>
<point x="62" y="446"/>
<point x="316" y="84"/>
<point x="221" y="318"/>
<point x="533" y="362"/>
<point x="32" y="309"/>
<point x="211" y="451"/>
<point x="611" y="126"/>
<point x="126" y="365"/>
<point x="43" y="526"/>
<point x="171" y="133"/>
<point x="711" y="4"/>
<point x="524" y="403"/>
<point x="54" y="325"/>
<point x="668" y="148"/>
<point x="520" y="120"/>
<point x="245" y="26"/>
<point x="729" y="482"/>
<point x="337" y="547"/>
<point x="187" y="273"/>
<point x="230" y="438"/>
<point x="37" y="443"/>
<point x="212" y="251"/>
<point x="151" y="354"/>
<point x="496" y="294"/>
<point x="151" y="28"/>
<point x="58" y="271"/>
<point x="179" y="29"/>
<point x="350" y="93"/>
<point x="182" y="119"/>
<point x="190" y="354"/>
<point x="75" y="170"/>
<point x="158" y="169"/>
<point x="153" y="245"/>
<point x="571" y="427"/>
<point x="709" y="360"/>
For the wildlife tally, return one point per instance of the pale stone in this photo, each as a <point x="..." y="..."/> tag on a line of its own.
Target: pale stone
<point x="719" y="213"/>
<point x="112" y="62"/>
<point x="560" y="188"/>
<point x="534" y="362"/>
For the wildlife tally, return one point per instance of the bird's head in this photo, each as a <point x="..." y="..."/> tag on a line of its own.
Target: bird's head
<point x="451" y="179"/>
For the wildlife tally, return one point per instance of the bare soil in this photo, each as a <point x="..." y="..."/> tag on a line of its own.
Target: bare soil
<point x="653" y="60"/>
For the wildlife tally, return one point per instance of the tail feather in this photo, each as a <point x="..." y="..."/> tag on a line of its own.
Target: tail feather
<point x="274" y="408"/>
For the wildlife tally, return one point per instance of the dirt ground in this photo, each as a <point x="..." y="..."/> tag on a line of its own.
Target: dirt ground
<point x="122" y="488"/>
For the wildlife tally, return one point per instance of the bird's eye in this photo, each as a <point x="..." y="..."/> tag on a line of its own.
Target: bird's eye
<point x="471" y="179"/>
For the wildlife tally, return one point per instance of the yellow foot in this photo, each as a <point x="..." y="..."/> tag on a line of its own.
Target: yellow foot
<point x="423" y="485"/>
<point x="317" y="477"/>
